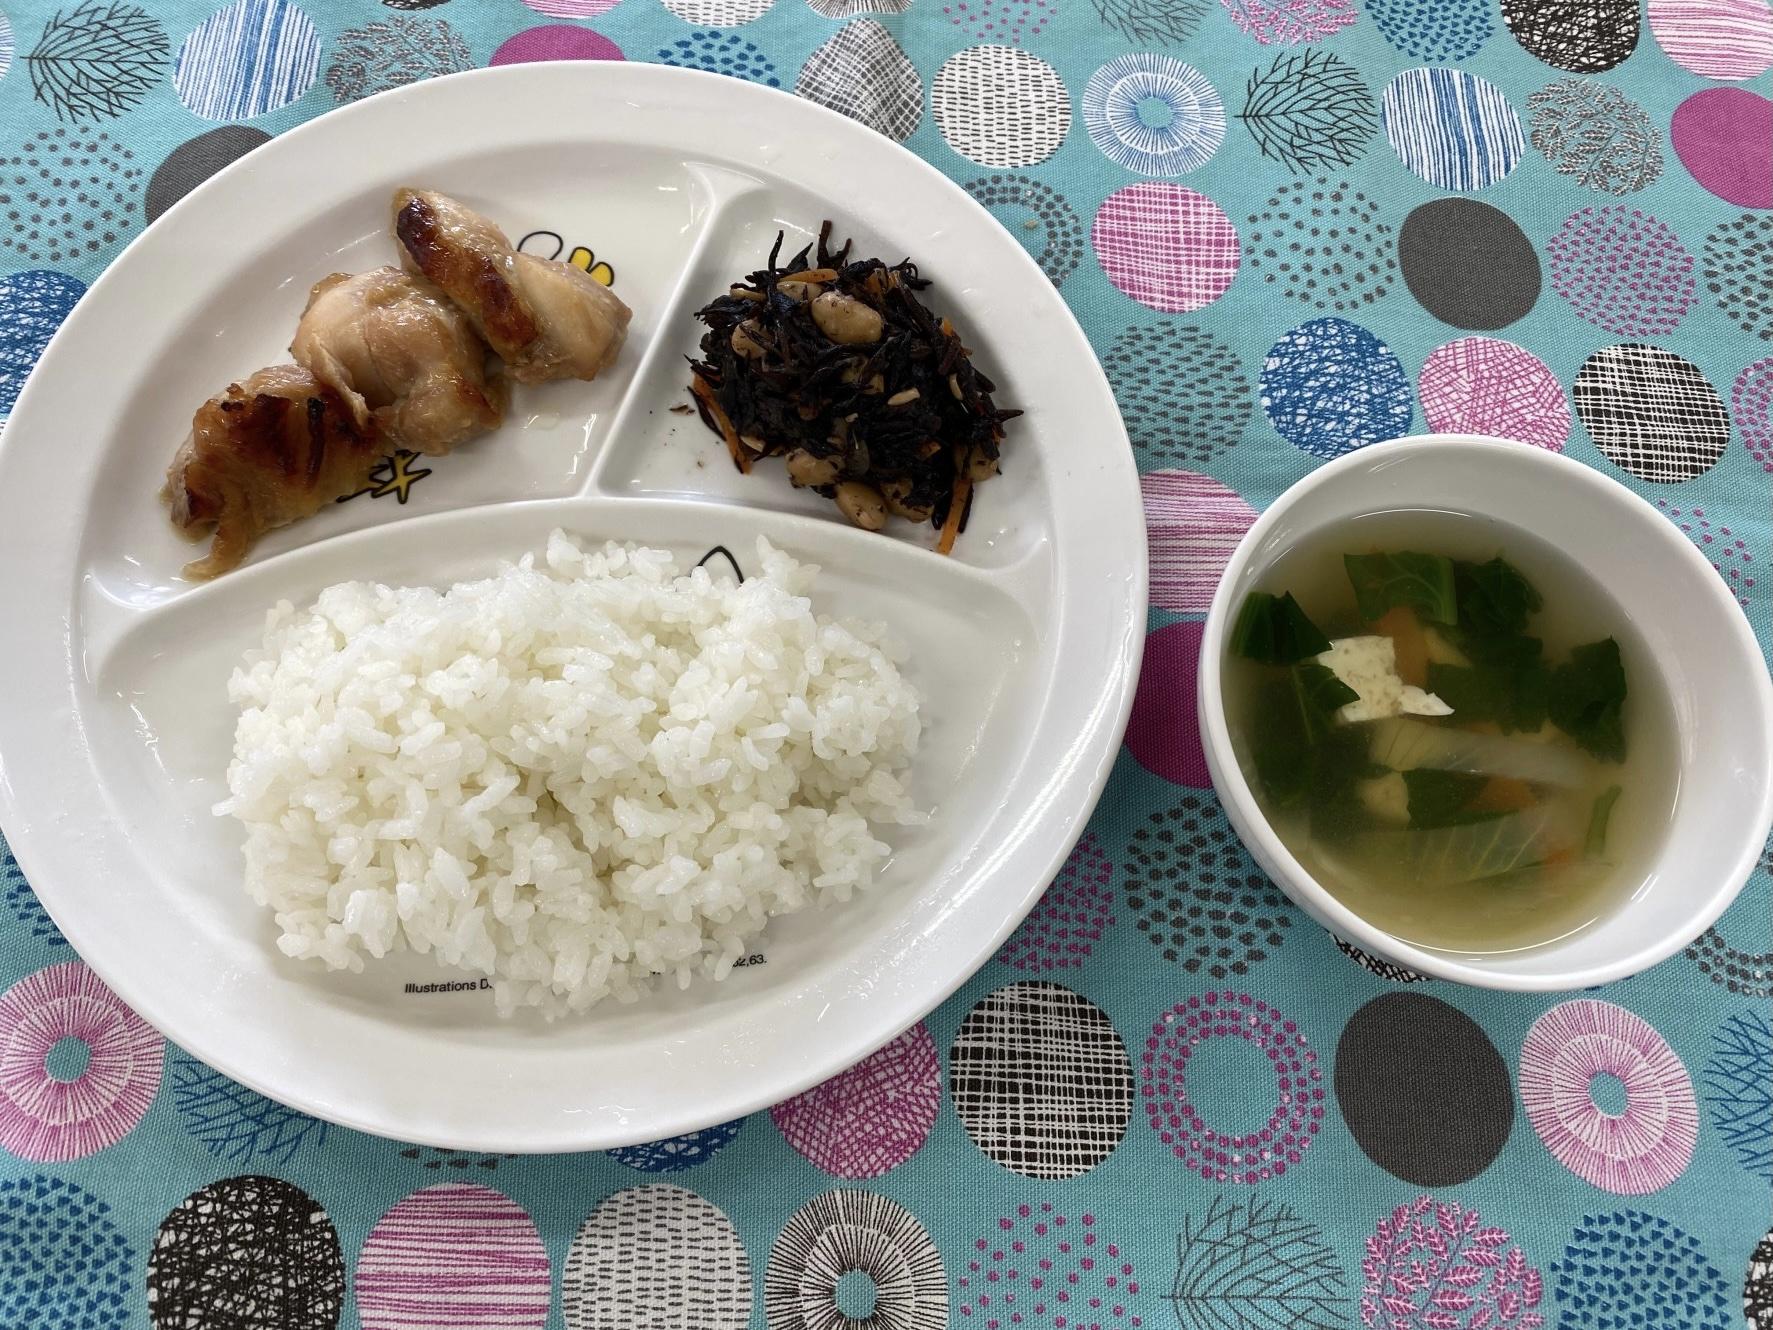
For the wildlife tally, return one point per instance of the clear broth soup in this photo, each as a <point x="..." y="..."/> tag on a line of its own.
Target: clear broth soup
<point x="1537" y="806"/>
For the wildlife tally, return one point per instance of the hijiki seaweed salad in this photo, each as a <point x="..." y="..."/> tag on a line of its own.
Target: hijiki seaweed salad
<point x="868" y="396"/>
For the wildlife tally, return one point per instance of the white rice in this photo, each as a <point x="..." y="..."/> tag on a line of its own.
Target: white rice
<point x="572" y="777"/>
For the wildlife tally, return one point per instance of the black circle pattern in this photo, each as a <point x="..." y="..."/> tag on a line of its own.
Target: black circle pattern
<point x="1739" y="272"/>
<point x="1582" y="36"/>
<point x="246" y="1253"/>
<point x="1757" y="1286"/>
<point x="1412" y="1049"/>
<point x="1182" y="393"/>
<point x="67" y="194"/>
<point x="193" y="162"/>
<point x="1652" y="412"/>
<point x="1041" y="1080"/>
<point x="1198" y="895"/>
<point x="1384" y="969"/>
<point x="1061" y="230"/>
<point x="848" y="1232"/>
<point x="1443" y="247"/>
<point x="1322" y="242"/>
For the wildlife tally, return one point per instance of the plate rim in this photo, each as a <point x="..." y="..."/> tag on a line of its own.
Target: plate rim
<point x="33" y="830"/>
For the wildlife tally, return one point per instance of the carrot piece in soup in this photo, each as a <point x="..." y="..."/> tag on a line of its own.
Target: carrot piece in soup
<point x="1400" y="624"/>
<point x="1503" y="794"/>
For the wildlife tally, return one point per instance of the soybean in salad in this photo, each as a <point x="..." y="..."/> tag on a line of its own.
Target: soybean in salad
<point x="1456" y="735"/>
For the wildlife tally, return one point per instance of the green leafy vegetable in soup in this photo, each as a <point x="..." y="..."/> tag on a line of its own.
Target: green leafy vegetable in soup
<point x="1425" y="735"/>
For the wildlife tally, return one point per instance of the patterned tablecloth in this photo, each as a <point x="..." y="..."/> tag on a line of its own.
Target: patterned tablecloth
<point x="1290" y="227"/>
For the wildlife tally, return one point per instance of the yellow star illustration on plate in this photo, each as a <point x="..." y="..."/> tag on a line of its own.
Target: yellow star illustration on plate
<point x="400" y="476"/>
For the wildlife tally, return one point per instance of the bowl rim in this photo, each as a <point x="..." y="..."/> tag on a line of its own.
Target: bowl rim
<point x="1291" y="876"/>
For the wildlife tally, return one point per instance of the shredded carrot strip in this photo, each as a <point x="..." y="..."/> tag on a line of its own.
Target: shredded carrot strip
<point x="957" y="507"/>
<point x="811" y="275"/>
<point x="1504" y="794"/>
<point x="741" y="459"/>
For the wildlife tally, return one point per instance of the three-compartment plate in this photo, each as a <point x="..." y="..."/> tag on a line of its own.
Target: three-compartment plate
<point x="115" y="726"/>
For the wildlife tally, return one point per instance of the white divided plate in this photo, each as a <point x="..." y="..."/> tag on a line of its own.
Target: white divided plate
<point x="115" y="727"/>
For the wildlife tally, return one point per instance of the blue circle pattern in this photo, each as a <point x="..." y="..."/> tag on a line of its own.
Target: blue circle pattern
<point x="32" y="306"/>
<point x="676" y="1153"/>
<point x="1433" y="29"/>
<point x="1194" y="125"/>
<point x="63" y="1264"/>
<point x="247" y="60"/>
<point x="233" y="1122"/>
<point x="721" y="53"/>
<point x="1634" y="1271"/>
<point x="22" y="902"/>
<point x="1738" y="1079"/>
<point x="1329" y="386"/>
<point x="1453" y="129"/>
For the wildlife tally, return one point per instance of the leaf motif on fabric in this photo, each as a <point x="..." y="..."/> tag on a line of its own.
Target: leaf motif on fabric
<point x="97" y="60"/>
<point x="394" y="53"/>
<point x="1597" y="135"/>
<point x="1253" y="1264"/>
<point x="1152" y="21"/>
<point x="1309" y="111"/>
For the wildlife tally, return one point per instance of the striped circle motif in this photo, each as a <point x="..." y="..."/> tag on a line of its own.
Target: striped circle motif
<point x="1651" y="412"/>
<point x="6" y="44"/>
<point x="48" y="1119"/>
<point x="1154" y="115"/>
<point x="1000" y="106"/>
<point x="1172" y="249"/>
<point x="1715" y="39"/>
<point x="871" y="1118"/>
<point x="1479" y="385"/>
<point x="656" y="1255"/>
<point x="571" y="8"/>
<point x="247" y="60"/>
<point x="453" y="1256"/>
<point x="849" y="1233"/>
<point x="1639" y="1150"/>
<point x="1040" y="1080"/>
<point x="1193" y="523"/>
<point x="1453" y="129"/>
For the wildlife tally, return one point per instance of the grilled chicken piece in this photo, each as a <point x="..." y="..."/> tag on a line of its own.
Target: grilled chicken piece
<point x="278" y="447"/>
<point x="395" y="349"/>
<point x="545" y="320"/>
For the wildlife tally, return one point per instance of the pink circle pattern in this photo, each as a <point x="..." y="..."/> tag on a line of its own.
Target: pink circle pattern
<point x="1435" y="1266"/>
<point x="47" y="1120"/>
<point x="1163" y="733"/>
<point x="1640" y="1150"/>
<point x="1724" y="137"/>
<point x="1291" y="22"/>
<point x="1728" y="552"/>
<point x="870" y="1119"/>
<point x="555" y="41"/>
<point x="1044" y="1271"/>
<point x="1169" y="247"/>
<point x="1279" y="1143"/>
<point x="1751" y="406"/>
<point x="1623" y="270"/>
<point x="1062" y="929"/>
<point x="1193" y="524"/>
<point x="1001" y="20"/>
<point x="1480" y="385"/>
<point x="1715" y="39"/>
<point x="453" y="1256"/>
